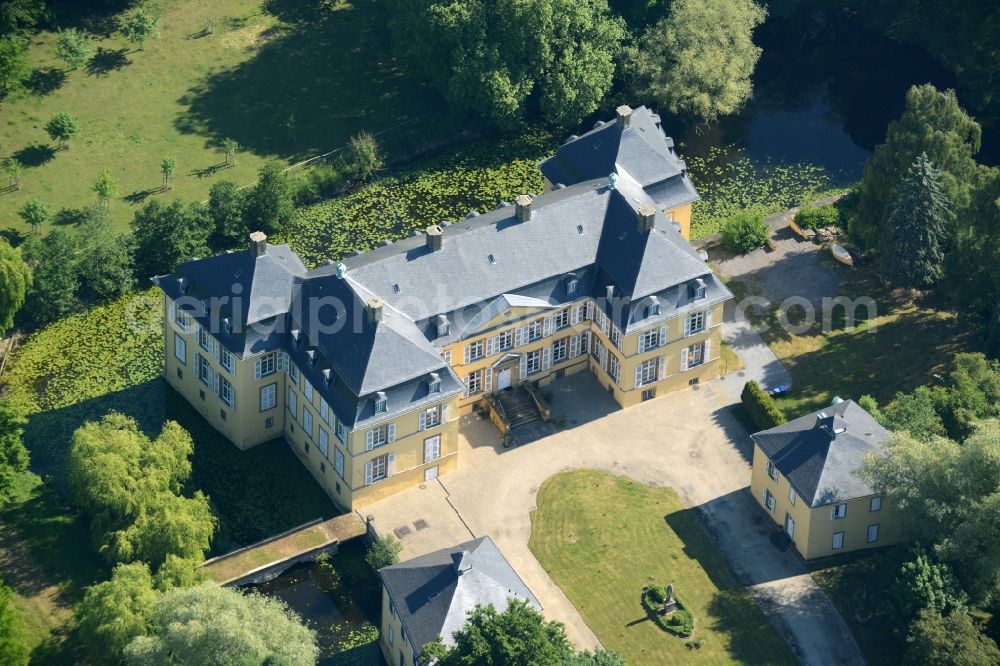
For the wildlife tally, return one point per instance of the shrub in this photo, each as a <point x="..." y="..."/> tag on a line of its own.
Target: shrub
<point x="679" y="623"/>
<point x="744" y="232"/>
<point x="384" y="552"/>
<point x="815" y="218"/>
<point x="761" y="407"/>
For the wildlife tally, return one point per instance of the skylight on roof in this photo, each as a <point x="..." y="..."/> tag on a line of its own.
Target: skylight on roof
<point x="395" y="288"/>
<point x="492" y="259"/>
<point x="579" y="229"/>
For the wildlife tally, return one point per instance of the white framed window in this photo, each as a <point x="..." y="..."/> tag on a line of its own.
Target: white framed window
<point x="205" y="373"/>
<point x="227" y="360"/>
<point x="838" y="540"/>
<point x="649" y="340"/>
<point x="293" y="403"/>
<point x="204" y="339"/>
<point x="838" y="512"/>
<point x="324" y="410"/>
<point x="182" y="319"/>
<point x="474" y="382"/>
<point x="341" y="431"/>
<point x="307" y="421"/>
<point x="307" y="390"/>
<point x="268" y="397"/>
<point x="430" y="418"/>
<point x="791" y="495"/>
<point x="616" y="337"/>
<point x="572" y="286"/>
<point x="266" y="365"/>
<point x="695" y="323"/>
<point x="535" y="330"/>
<point x="293" y="373"/>
<point x="504" y="341"/>
<point x="875" y="504"/>
<point x="533" y="361"/>
<point x="226" y="392"/>
<point x="614" y="368"/>
<point x="645" y="372"/>
<point x="696" y="354"/>
<point x="380" y="435"/>
<point x="378" y="468"/>
<point x="560" y="348"/>
<point x="180" y="348"/>
<point x="873" y="533"/>
<point x="324" y="442"/>
<point x="769" y="500"/>
<point x="381" y="402"/>
<point x="560" y="319"/>
<point x="446" y="355"/>
<point x="338" y="462"/>
<point x="699" y="292"/>
<point x="473" y="351"/>
<point x="652" y="310"/>
<point x="432" y="448"/>
<point x="772" y="471"/>
<point x="434" y="385"/>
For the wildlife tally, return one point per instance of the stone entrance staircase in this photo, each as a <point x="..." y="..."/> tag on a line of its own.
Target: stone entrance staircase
<point x="526" y="424"/>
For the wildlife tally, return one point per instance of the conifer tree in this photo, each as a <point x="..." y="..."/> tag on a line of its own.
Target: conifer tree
<point x="914" y="239"/>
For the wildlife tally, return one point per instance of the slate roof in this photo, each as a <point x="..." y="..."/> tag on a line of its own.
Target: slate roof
<point x="642" y="149"/>
<point x="819" y="453"/>
<point x="433" y="593"/>
<point x="588" y="232"/>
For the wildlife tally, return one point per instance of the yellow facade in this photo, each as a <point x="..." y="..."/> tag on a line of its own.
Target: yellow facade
<point x="824" y="530"/>
<point x="396" y="647"/>
<point x="340" y="458"/>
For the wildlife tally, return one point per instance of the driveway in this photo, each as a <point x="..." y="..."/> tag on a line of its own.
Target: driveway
<point x="687" y="440"/>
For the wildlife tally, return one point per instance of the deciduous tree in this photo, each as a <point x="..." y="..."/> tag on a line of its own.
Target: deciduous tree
<point x="13" y="649"/>
<point x="167" y="168"/>
<point x="166" y="235"/>
<point x="140" y="26"/>
<point x="13" y="455"/>
<point x="116" y="611"/>
<point x="924" y="583"/>
<point x="226" y="208"/>
<point x="14" y="170"/>
<point x="915" y="413"/>
<point x="35" y="212"/>
<point x="916" y="233"/>
<point x="507" y="60"/>
<point x="73" y="47"/>
<point x="518" y="635"/>
<point x="62" y="127"/>
<point x="129" y="487"/>
<point x="231" y="146"/>
<point x="15" y="280"/>
<point x="954" y="640"/>
<point x="269" y="203"/>
<point x="698" y="60"/>
<point x="54" y="284"/>
<point x="384" y="552"/>
<point x="106" y="188"/>
<point x="932" y="123"/>
<point x="105" y="263"/>
<point x="244" y="629"/>
<point x="13" y="63"/>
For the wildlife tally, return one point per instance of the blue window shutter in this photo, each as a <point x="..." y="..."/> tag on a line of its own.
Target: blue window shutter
<point x="369" y="440"/>
<point x="390" y="467"/>
<point x="422" y="419"/>
<point x="368" y="473"/>
<point x="663" y="335"/>
<point x="392" y="432"/>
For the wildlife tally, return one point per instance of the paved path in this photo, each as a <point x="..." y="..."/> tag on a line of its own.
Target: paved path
<point x="761" y="364"/>
<point x="688" y="441"/>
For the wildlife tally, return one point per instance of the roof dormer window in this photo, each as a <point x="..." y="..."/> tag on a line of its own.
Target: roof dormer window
<point x="572" y="286"/>
<point x="381" y="402"/>
<point x="442" y="325"/>
<point x="699" y="289"/>
<point x="434" y="383"/>
<point x="652" y="310"/>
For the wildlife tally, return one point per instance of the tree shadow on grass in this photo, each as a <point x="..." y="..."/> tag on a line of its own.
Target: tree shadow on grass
<point x="105" y="61"/>
<point x="329" y="67"/>
<point x="35" y="155"/>
<point x="45" y="80"/>
<point x="70" y="217"/>
<point x="139" y="196"/>
<point x="255" y="493"/>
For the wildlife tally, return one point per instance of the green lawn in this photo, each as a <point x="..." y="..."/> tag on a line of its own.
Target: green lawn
<point x="328" y="70"/>
<point x="602" y="538"/>
<point x="902" y="347"/>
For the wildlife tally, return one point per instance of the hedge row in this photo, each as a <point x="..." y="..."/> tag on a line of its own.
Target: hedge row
<point x="761" y="407"/>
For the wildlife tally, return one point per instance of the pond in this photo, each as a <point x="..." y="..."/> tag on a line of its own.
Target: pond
<point x="825" y="90"/>
<point x="340" y="599"/>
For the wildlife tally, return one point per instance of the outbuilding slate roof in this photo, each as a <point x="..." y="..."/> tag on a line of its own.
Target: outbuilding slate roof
<point x="434" y="593"/>
<point x="821" y="452"/>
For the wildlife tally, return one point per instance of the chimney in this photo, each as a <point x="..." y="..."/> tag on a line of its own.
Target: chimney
<point x="258" y="243"/>
<point x="523" y="207"/>
<point x="610" y="291"/>
<point x="434" y="238"/>
<point x="647" y="217"/>
<point x="624" y="116"/>
<point x="374" y="309"/>
<point x="820" y="418"/>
